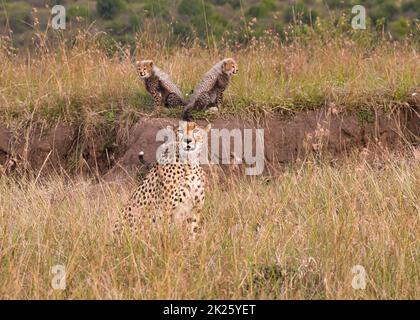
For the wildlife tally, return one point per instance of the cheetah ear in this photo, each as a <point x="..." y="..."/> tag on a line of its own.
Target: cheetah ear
<point x="138" y="63"/>
<point x="169" y="128"/>
<point x="151" y="64"/>
<point x="224" y="65"/>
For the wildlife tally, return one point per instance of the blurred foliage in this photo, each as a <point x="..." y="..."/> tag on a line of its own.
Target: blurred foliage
<point x="262" y="9"/>
<point x="191" y="8"/>
<point x="78" y="11"/>
<point x="400" y="28"/>
<point x="387" y="9"/>
<point x="18" y="15"/>
<point x="136" y="22"/>
<point x="154" y="8"/>
<point x="300" y="13"/>
<point x="233" y="3"/>
<point x="235" y="21"/>
<point x="108" y="9"/>
<point x="201" y="19"/>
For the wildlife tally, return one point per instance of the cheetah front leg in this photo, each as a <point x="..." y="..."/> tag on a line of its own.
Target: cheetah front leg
<point x="185" y="212"/>
<point x="157" y="99"/>
<point x="193" y="223"/>
<point x="219" y="100"/>
<point x="216" y="106"/>
<point x="127" y="223"/>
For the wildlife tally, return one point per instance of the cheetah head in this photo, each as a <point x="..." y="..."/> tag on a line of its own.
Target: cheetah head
<point x="191" y="138"/>
<point x="229" y="67"/>
<point x="144" y="68"/>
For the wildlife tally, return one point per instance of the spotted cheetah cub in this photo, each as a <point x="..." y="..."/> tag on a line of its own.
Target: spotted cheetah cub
<point x="159" y="85"/>
<point x="173" y="190"/>
<point x="209" y="93"/>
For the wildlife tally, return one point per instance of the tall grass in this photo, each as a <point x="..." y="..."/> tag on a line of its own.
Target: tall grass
<point x="296" y="236"/>
<point x="82" y="81"/>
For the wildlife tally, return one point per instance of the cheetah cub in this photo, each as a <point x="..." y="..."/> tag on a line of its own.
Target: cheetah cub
<point x="159" y="85"/>
<point x="173" y="190"/>
<point x="209" y="93"/>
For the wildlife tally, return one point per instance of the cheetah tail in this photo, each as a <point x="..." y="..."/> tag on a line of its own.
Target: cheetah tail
<point x="143" y="161"/>
<point x="186" y="114"/>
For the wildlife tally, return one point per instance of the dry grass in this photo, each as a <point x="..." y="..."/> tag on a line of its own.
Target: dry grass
<point x="86" y="84"/>
<point x="297" y="236"/>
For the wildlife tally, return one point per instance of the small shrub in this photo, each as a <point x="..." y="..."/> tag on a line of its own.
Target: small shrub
<point x="182" y="29"/>
<point x="156" y="8"/>
<point x="262" y="9"/>
<point x="77" y="11"/>
<point x="135" y="22"/>
<point x="190" y="8"/>
<point x="385" y="9"/>
<point x="233" y="3"/>
<point x="108" y="9"/>
<point x="300" y="13"/>
<point x="18" y="15"/>
<point x="400" y="28"/>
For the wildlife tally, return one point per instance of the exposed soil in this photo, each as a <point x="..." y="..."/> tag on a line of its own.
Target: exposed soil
<point x="114" y="152"/>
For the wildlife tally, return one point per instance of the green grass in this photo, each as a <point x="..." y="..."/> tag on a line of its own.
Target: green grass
<point x="82" y="83"/>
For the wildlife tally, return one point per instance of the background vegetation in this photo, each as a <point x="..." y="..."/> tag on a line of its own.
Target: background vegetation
<point x="183" y="20"/>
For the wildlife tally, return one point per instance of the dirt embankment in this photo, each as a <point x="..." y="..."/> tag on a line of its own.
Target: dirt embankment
<point x="286" y="139"/>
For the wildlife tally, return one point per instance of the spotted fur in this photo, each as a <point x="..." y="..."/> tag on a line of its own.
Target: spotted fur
<point x="209" y="93"/>
<point x="159" y="85"/>
<point x="173" y="189"/>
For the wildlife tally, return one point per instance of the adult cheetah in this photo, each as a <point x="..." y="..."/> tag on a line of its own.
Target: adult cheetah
<point x="174" y="188"/>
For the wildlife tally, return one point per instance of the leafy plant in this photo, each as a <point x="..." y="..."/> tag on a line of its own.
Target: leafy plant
<point x="77" y="11"/>
<point x="108" y="9"/>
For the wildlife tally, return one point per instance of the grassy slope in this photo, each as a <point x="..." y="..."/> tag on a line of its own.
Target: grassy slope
<point x="299" y="238"/>
<point x="84" y="84"/>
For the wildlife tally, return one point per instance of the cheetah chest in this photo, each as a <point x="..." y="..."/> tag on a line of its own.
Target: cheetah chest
<point x="195" y="183"/>
<point x="186" y="188"/>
